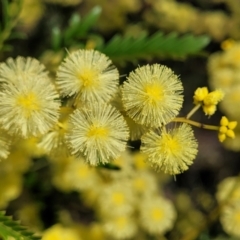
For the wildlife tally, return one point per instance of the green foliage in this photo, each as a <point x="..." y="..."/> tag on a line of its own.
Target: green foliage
<point x="77" y="30"/>
<point x="126" y="48"/>
<point x="10" y="228"/>
<point x="158" y="45"/>
<point x="110" y="166"/>
<point x="9" y="22"/>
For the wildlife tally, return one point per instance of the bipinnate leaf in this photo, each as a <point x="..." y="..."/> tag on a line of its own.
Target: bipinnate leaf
<point x="121" y="48"/>
<point x="10" y="229"/>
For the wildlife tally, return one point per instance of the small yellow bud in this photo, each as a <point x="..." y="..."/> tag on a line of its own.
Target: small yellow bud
<point x="224" y="121"/>
<point x="230" y="133"/>
<point x="226" y="129"/>
<point x="200" y="94"/>
<point x="213" y="98"/>
<point x="232" y="124"/>
<point x="223" y="129"/>
<point x="209" y="109"/>
<point x="221" y="137"/>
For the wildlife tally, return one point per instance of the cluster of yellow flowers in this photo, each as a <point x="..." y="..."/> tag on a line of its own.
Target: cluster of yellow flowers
<point x="127" y="202"/>
<point x="183" y="17"/>
<point x="228" y="196"/>
<point x="224" y="70"/>
<point x="83" y="118"/>
<point x="85" y="112"/>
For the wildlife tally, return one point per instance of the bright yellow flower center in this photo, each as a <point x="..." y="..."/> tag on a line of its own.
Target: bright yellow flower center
<point x="118" y="198"/>
<point x="88" y="77"/>
<point x="98" y="132"/>
<point x="154" y="92"/>
<point x="29" y="103"/>
<point x="157" y="214"/>
<point x="170" y="145"/>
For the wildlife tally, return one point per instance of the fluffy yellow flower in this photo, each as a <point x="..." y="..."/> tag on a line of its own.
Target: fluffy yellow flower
<point x="152" y="95"/>
<point x="157" y="215"/>
<point x="98" y="132"/>
<point x="58" y="232"/>
<point x="230" y="219"/>
<point x="120" y="227"/>
<point x="88" y="75"/>
<point x="28" y="107"/>
<point x="172" y="151"/>
<point x="14" y="69"/>
<point x="80" y="175"/>
<point x="144" y="183"/>
<point x="228" y="190"/>
<point x="10" y="186"/>
<point x="116" y="199"/>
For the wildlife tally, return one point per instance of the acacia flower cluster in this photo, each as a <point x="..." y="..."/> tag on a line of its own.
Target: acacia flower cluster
<point x="208" y="100"/>
<point x="226" y="129"/>
<point x="93" y="117"/>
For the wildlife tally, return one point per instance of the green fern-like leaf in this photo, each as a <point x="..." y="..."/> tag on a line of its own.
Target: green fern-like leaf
<point x="12" y="229"/>
<point x="158" y="45"/>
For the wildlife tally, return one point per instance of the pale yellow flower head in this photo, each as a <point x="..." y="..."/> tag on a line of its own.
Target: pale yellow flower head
<point x="120" y="227"/>
<point x="87" y="75"/>
<point x="157" y="215"/>
<point x="28" y="103"/>
<point x="230" y="104"/>
<point x="80" y="175"/>
<point x="230" y="219"/>
<point x="172" y="151"/>
<point x="228" y="190"/>
<point x="144" y="183"/>
<point x="14" y="69"/>
<point x="98" y="132"/>
<point x="116" y="199"/>
<point x="10" y="187"/>
<point x="59" y="232"/>
<point x="152" y="95"/>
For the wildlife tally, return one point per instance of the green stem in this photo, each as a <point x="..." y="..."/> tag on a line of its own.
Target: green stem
<point x="196" y="124"/>
<point x="193" y="110"/>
